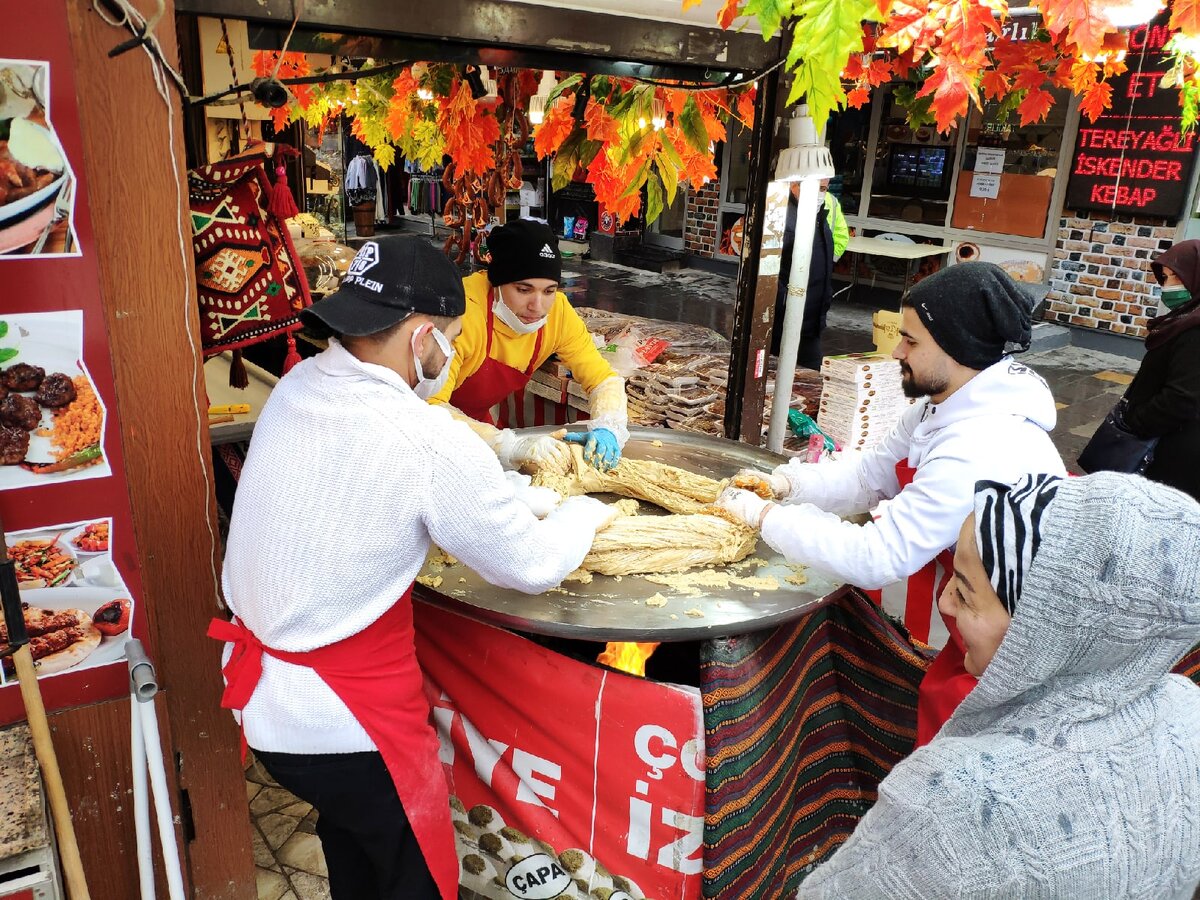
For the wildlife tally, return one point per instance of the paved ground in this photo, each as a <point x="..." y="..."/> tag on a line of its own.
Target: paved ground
<point x="1085" y="384"/>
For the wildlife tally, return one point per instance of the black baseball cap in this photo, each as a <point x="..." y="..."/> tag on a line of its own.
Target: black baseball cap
<point x="389" y="279"/>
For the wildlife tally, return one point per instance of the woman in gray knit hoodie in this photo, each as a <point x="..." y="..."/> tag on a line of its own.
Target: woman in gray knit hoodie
<point x="1072" y="771"/>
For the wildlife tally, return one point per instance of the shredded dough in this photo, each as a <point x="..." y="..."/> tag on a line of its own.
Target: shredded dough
<point x="695" y="535"/>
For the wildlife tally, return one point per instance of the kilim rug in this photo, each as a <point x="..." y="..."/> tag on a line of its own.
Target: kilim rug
<point x="801" y="724"/>
<point x="1189" y="666"/>
<point x="249" y="284"/>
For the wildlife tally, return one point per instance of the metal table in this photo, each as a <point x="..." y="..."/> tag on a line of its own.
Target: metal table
<point x="613" y="608"/>
<point x="910" y="253"/>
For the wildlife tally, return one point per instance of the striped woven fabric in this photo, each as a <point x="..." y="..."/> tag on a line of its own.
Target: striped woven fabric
<point x="1189" y="666"/>
<point x="801" y="725"/>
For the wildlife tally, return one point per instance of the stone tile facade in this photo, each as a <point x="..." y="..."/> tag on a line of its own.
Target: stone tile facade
<point x="1101" y="277"/>
<point x="700" y="224"/>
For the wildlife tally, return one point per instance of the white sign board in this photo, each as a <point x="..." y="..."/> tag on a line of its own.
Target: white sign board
<point x="986" y="186"/>
<point x="989" y="161"/>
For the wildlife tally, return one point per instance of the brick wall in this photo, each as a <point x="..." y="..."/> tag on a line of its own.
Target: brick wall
<point x="700" y="225"/>
<point x="1100" y="277"/>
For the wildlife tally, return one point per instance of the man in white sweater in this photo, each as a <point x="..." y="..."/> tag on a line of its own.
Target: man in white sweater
<point x="350" y="477"/>
<point x="986" y="418"/>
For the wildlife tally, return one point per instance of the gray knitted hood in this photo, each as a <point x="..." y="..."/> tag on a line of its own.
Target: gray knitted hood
<point x="1110" y="603"/>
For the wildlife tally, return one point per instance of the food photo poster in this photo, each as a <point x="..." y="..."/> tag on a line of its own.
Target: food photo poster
<point x="37" y="185"/>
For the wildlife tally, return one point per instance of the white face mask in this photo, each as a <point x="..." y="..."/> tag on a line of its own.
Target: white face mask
<point x="509" y="318"/>
<point x="428" y="387"/>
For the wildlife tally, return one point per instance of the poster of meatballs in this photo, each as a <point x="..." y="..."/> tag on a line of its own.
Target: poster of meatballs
<point x="51" y="419"/>
<point x="37" y="187"/>
<point x="77" y="607"/>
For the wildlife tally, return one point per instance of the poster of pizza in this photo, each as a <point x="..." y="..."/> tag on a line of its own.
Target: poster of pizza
<point x="51" y="417"/>
<point x="37" y="186"/>
<point x="78" y="610"/>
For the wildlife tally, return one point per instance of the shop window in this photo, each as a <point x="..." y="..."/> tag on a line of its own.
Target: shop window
<point x="1008" y="170"/>
<point x="913" y="171"/>
<point x="847" y="136"/>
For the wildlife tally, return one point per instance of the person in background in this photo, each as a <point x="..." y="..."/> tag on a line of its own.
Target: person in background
<point x="830" y="240"/>
<point x="1164" y="399"/>
<point x="1072" y="771"/>
<point x="987" y="417"/>
<point x="350" y="478"/>
<point x="516" y="319"/>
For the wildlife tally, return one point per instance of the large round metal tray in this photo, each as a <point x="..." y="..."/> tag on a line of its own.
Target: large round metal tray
<point x="612" y="609"/>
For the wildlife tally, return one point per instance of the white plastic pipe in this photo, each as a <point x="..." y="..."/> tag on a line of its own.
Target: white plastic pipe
<point x="141" y="801"/>
<point x="793" y="316"/>
<point x="162" y="801"/>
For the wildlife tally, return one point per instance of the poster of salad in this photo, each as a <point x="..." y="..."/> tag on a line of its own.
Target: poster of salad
<point x="37" y="186"/>
<point x="51" y="417"/>
<point x="77" y="608"/>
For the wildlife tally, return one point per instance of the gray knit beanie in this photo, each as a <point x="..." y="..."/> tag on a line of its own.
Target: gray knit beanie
<point x="976" y="312"/>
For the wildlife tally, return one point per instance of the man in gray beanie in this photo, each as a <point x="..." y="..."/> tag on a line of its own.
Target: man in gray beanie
<point x="986" y="417"/>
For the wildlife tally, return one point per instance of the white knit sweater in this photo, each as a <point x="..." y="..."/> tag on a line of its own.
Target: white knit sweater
<point x="1072" y="771"/>
<point x="349" y="478"/>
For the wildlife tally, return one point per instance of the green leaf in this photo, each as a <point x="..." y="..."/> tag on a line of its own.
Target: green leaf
<point x="567" y="84"/>
<point x="566" y="161"/>
<point x="670" y="177"/>
<point x="622" y="110"/>
<point x="670" y="152"/>
<point x="385" y="155"/>
<point x="654" y="199"/>
<point x="8" y="353"/>
<point x="826" y="34"/>
<point x="638" y="180"/>
<point x="692" y="124"/>
<point x="918" y="111"/>
<point x="3" y="328"/>
<point x="587" y="151"/>
<point x="632" y="148"/>
<point x="770" y="13"/>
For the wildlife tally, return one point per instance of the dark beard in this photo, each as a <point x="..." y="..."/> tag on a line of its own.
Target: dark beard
<point x="914" y="389"/>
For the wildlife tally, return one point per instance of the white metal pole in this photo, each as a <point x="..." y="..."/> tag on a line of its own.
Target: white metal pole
<point x="141" y="802"/>
<point x="793" y="316"/>
<point x="162" y="802"/>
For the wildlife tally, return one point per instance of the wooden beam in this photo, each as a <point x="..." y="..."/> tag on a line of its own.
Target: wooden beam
<point x="134" y="163"/>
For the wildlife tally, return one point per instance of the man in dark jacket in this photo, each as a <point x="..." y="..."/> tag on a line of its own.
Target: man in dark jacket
<point x="829" y="243"/>
<point x="1164" y="398"/>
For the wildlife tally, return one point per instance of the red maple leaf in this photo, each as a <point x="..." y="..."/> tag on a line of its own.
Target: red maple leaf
<point x="854" y="68"/>
<point x="952" y="86"/>
<point x="858" y="98"/>
<point x="600" y="125"/>
<point x="1097" y="99"/>
<point x="1029" y="77"/>
<point x="729" y="11"/>
<point x="470" y="132"/>
<point x="1185" y="16"/>
<point x="1035" y="106"/>
<point x="993" y="85"/>
<point x="879" y="72"/>
<point x="903" y="64"/>
<point x="1009" y="54"/>
<point x="906" y="24"/>
<point x="745" y="106"/>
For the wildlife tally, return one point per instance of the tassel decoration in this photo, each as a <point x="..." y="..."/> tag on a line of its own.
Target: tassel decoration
<point x="237" y="371"/>
<point x="293" y="355"/>
<point x="283" y="204"/>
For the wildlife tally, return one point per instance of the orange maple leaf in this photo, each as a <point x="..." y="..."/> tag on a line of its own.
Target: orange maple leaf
<point x="600" y="125"/>
<point x="1185" y="17"/>
<point x="1097" y="99"/>
<point x="907" y="24"/>
<point x="953" y="89"/>
<point x="470" y="132"/>
<point x="1035" y="106"/>
<point x="879" y="72"/>
<point x="858" y="98"/>
<point x="854" y="68"/>
<point x="1029" y="77"/>
<point x="554" y="130"/>
<point x="1082" y="20"/>
<point x="729" y="11"/>
<point x="745" y="107"/>
<point x="993" y="85"/>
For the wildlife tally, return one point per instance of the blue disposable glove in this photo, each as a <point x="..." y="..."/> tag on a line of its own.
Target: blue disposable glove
<point x="600" y="447"/>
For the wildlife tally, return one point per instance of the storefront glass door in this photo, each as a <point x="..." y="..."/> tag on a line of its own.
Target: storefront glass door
<point x="667" y="229"/>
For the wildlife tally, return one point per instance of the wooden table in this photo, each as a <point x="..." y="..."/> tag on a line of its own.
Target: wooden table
<point x="903" y="250"/>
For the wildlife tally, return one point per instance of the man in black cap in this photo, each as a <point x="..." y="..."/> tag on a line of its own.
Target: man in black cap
<point x="985" y="417"/>
<point x="516" y="319"/>
<point x="349" y="479"/>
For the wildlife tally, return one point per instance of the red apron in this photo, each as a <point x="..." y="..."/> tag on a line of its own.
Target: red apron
<point x="494" y="381"/>
<point x="375" y="673"/>
<point x="946" y="682"/>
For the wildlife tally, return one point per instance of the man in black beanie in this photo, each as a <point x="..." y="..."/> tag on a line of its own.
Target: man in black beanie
<point x="986" y="417"/>
<point x="516" y="319"/>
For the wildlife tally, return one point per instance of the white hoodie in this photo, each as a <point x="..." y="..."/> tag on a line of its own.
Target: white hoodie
<point x="995" y="428"/>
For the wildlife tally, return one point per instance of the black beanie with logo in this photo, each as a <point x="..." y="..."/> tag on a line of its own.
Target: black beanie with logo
<point x="976" y="312"/>
<point x="523" y="249"/>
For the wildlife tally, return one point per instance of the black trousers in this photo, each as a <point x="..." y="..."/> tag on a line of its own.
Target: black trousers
<point x="370" y="849"/>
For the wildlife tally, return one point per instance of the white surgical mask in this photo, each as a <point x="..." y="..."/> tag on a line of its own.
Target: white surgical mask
<point x="428" y="387"/>
<point x="509" y="318"/>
